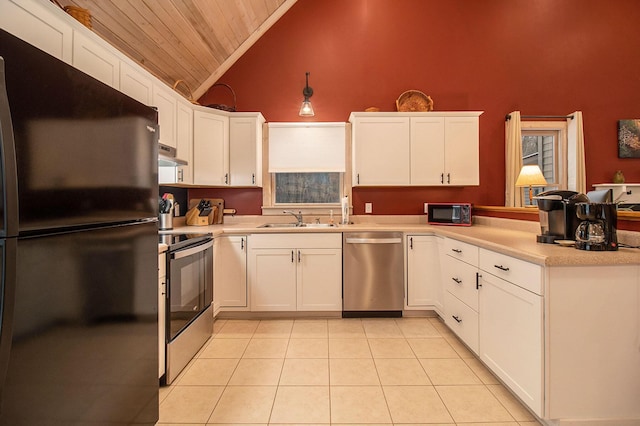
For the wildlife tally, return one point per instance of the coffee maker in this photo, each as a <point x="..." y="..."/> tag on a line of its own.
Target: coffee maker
<point x="558" y="220"/>
<point x="597" y="231"/>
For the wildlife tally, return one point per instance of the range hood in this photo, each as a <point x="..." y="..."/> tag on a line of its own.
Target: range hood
<point x="167" y="156"/>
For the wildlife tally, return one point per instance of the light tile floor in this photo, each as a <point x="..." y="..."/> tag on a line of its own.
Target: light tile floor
<point x="337" y="371"/>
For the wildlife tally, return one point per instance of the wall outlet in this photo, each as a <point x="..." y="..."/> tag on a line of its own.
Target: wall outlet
<point x="425" y="208"/>
<point x="368" y="207"/>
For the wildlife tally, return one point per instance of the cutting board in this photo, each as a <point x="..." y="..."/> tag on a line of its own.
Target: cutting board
<point x="218" y="207"/>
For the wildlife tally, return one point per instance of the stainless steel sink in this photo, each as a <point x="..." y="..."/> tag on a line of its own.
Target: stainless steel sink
<point x="295" y="225"/>
<point x="278" y="225"/>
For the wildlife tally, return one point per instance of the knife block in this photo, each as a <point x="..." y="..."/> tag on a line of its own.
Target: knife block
<point x="193" y="217"/>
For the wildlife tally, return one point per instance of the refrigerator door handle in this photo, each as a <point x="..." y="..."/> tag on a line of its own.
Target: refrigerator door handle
<point x="9" y="179"/>
<point x="7" y="301"/>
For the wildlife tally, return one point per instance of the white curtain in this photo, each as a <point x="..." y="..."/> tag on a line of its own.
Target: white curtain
<point x="513" y="161"/>
<point x="576" y="174"/>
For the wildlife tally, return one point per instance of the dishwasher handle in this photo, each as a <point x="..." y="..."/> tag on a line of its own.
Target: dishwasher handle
<point x="352" y="240"/>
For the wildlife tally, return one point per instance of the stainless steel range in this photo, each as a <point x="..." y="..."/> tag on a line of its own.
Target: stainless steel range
<point x="189" y="311"/>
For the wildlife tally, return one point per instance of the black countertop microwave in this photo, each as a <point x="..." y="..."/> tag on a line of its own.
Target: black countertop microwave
<point x="449" y="214"/>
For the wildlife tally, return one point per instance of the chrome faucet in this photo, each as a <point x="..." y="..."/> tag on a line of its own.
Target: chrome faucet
<point x="298" y="216"/>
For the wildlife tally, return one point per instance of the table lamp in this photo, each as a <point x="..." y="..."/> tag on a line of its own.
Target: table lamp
<point x="531" y="176"/>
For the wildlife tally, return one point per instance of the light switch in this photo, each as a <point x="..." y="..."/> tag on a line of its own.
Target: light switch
<point x="426" y="208"/>
<point x="368" y="207"/>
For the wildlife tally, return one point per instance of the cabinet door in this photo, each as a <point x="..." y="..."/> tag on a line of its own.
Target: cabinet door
<point x="40" y="24"/>
<point x="273" y="280"/>
<point x="96" y="60"/>
<point x="184" y="135"/>
<point x="210" y="149"/>
<point x="381" y="151"/>
<point x="511" y="341"/>
<point x="166" y="102"/>
<point x="230" y="269"/>
<point x="427" y="151"/>
<point x="462" y="159"/>
<point x="135" y="84"/>
<point x="319" y="280"/>
<point x="245" y="139"/>
<point x="424" y="288"/>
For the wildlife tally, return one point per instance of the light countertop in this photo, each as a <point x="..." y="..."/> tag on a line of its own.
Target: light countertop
<point x="506" y="236"/>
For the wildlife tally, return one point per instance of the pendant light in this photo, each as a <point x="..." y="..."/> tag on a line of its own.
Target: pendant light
<point x="306" y="109"/>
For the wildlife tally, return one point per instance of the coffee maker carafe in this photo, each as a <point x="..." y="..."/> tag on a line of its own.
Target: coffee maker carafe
<point x="597" y="231"/>
<point x="558" y="220"/>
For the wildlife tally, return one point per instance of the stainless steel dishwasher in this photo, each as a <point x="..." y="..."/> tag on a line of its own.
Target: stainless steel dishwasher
<point x="373" y="274"/>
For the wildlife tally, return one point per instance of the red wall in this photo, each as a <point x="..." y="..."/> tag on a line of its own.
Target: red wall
<point x="536" y="56"/>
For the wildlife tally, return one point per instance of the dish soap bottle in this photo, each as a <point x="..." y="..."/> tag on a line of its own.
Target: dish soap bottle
<point x="345" y="210"/>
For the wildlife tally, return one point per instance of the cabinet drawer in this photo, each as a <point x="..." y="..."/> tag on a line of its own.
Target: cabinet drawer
<point x="298" y="240"/>
<point x="462" y="251"/>
<point x="519" y="272"/>
<point x="460" y="280"/>
<point x="462" y="320"/>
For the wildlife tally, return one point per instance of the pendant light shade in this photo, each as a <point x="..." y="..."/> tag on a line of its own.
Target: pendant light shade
<point x="306" y="109"/>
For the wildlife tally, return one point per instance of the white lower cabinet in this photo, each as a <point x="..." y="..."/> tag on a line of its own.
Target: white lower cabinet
<point x="162" y="318"/>
<point x="424" y="286"/>
<point x="593" y="343"/>
<point x="230" y="273"/>
<point x="511" y="340"/>
<point x="296" y="272"/>
<point x="459" y="279"/>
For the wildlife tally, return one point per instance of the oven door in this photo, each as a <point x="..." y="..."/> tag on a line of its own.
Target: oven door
<point x="190" y="286"/>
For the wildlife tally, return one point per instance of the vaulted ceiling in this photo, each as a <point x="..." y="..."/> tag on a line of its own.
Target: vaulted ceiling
<point x="191" y="40"/>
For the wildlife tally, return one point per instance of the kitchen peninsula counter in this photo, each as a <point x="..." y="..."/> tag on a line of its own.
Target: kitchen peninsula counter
<point x="510" y="237"/>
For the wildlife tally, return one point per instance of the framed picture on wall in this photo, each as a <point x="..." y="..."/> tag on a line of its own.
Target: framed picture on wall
<point x="629" y="138"/>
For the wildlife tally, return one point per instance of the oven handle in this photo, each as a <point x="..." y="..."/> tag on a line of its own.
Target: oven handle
<point x="191" y="250"/>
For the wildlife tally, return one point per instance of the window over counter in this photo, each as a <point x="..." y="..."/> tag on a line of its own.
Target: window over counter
<point x="307" y="167"/>
<point x="544" y="143"/>
<point x="307" y="188"/>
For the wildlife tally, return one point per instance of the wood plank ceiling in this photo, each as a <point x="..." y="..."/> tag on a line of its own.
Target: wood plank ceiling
<point x="191" y="40"/>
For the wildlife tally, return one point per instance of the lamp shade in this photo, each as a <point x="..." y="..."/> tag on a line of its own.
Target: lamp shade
<point x="306" y="109"/>
<point x="531" y="175"/>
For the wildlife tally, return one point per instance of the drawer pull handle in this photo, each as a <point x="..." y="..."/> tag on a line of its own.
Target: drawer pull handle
<point x="458" y="320"/>
<point x="502" y="268"/>
<point x="457" y="280"/>
<point x="478" y="285"/>
<point x="456" y="251"/>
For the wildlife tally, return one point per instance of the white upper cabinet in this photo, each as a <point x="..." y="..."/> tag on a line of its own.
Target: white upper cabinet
<point x="96" y="60"/>
<point x="380" y="150"/>
<point x="245" y="148"/>
<point x="461" y="151"/>
<point x="184" y="140"/>
<point x="210" y="148"/>
<point x="166" y="101"/>
<point x="427" y="150"/>
<point x="38" y="23"/>
<point x="432" y="148"/>
<point x="135" y="83"/>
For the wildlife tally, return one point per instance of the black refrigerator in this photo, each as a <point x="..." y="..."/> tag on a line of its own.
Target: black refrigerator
<point x="78" y="246"/>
